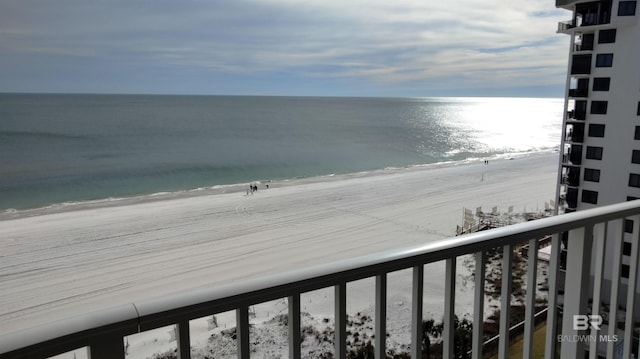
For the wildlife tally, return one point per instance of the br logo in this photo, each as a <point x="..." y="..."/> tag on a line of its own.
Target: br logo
<point x="583" y="322"/>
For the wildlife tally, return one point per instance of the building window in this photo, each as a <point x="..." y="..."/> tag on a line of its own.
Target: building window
<point x="638" y="108"/>
<point x="624" y="271"/>
<point x="601" y="83"/>
<point x="627" y="8"/>
<point x="596" y="130"/>
<point x="581" y="64"/>
<point x="636" y="135"/>
<point x="604" y="60"/>
<point x="591" y="175"/>
<point x="589" y="196"/>
<point x="628" y="226"/>
<point x="598" y="107"/>
<point x="594" y="153"/>
<point x="607" y="36"/>
<point x="634" y="180"/>
<point x="626" y="246"/>
<point x="635" y="156"/>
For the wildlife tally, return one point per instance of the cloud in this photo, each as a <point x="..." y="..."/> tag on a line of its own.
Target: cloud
<point x="372" y="41"/>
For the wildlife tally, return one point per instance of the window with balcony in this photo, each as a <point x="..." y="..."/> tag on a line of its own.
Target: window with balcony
<point x="598" y="107"/>
<point x="581" y="65"/>
<point x="635" y="156"/>
<point x="589" y="196"/>
<point x="627" y="8"/>
<point x="591" y="175"/>
<point x="594" y="153"/>
<point x="585" y="42"/>
<point x="575" y="132"/>
<point x="596" y="130"/>
<point x="572" y="197"/>
<point x="574" y="155"/>
<point x="579" y="88"/>
<point x="579" y="111"/>
<point x="601" y="83"/>
<point x="571" y="176"/>
<point x="607" y="36"/>
<point x="593" y="13"/>
<point x="604" y="60"/>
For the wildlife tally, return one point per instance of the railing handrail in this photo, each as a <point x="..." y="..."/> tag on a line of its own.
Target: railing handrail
<point x="170" y="309"/>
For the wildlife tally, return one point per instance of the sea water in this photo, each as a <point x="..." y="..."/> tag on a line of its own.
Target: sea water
<point x="72" y="148"/>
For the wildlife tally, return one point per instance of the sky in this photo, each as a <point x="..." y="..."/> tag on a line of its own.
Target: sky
<point x="391" y="48"/>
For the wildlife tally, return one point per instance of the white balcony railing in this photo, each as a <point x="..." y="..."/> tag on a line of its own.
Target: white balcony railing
<point x="589" y="233"/>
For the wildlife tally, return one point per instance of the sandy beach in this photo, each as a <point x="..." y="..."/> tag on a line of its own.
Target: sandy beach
<point x="57" y="263"/>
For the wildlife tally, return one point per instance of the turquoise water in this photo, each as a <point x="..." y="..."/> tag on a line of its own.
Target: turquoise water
<point x="69" y="148"/>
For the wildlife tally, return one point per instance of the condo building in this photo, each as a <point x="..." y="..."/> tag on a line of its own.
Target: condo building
<point x="600" y="162"/>
<point x="601" y="139"/>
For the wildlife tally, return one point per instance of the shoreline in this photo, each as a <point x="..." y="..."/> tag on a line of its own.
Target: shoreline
<point x="12" y="213"/>
<point x="63" y="263"/>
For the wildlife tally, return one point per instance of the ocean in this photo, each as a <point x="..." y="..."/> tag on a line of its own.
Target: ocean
<point x="57" y="149"/>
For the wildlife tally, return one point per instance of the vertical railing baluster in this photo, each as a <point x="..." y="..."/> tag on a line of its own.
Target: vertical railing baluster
<point x="576" y="292"/>
<point x="381" y="317"/>
<point x="530" y="299"/>
<point x="552" y="300"/>
<point x="107" y="346"/>
<point x="505" y="300"/>
<point x="340" y="320"/>
<point x="617" y="229"/>
<point x="478" y="306"/>
<point x="183" y="339"/>
<point x="416" y="311"/>
<point x="242" y="332"/>
<point x="631" y="290"/>
<point x="600" y="238"/>
<point x="293" y="322"/>
<point x="449" y="308"/>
